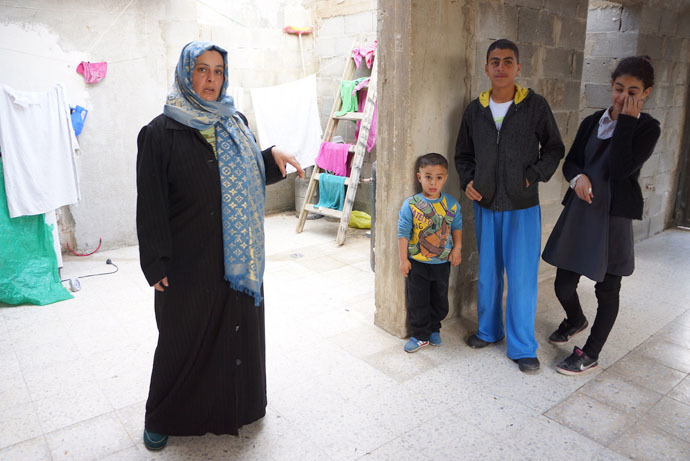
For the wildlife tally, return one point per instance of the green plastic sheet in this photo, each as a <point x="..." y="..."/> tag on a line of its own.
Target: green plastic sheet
<point x="28" y="265"/>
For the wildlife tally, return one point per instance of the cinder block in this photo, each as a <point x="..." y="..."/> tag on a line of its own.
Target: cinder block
<point x="650" y="19"/>
<point x="573" y="34"/>
<point x="360" y="22"/>
<point x="668" y="160"/>
<point x="497" y="21"/>
<point x="531" y="60"/>
<point x="326" y="47"/>
<point x="650" y="44"/>
<point x="597" y="70"/>
<point x="536" y="4"/>
<point x="557" y="62"/>
<point x="669" y="22"/>
<point x="606" y="19"/>
<point x="571" y="101"/>
<point x="566" y="8"/>
<point x="554" y="91"/>
<point x="613" y="44"/>
<point x="680" y="94"/>
<point x="630" y="19"/>
<point x="672" y="47"/>
<point x="330" y="27"/>
<point x="535" y="26"/>
<point x="597" y="95"/>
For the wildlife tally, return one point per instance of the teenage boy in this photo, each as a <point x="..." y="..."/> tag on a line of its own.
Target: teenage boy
<point x="508" y="143"/>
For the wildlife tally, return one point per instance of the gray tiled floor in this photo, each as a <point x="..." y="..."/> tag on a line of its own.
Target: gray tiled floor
<point x="74" y="375"/>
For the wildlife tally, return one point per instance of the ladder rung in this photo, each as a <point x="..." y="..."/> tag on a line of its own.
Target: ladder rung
<point x="354" y="116"/>
<point x="318" y="176"/>
<point x="324" y="211"/>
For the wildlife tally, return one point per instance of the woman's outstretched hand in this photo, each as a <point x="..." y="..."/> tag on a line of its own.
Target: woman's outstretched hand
<point x="282" y="158"/>
<point x="583" y="188"/>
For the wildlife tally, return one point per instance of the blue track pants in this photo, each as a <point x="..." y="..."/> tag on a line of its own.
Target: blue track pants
<point x="508" y="241"/>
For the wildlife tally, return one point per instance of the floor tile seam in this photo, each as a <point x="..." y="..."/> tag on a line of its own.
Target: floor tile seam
<point x="294" y="426"/>
<point x="617" y="434"/>
<point x="122" y="423"/>
<point x="660" y="396"/>
<point x="643" y="354"/>
<point x="112" y="413"/>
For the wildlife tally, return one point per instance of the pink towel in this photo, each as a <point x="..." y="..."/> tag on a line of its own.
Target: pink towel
<point x="333" y="157"/>
<point x="366" y="52"/>
<point x="93" y="72"/>
<point x="371" y="141"/>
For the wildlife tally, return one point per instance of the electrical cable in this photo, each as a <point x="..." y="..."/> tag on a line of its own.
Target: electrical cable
<point x="100" y="241"/>
<point x="107" y="261"/>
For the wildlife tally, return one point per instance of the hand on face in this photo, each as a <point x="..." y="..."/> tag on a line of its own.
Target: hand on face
<point x="627" y="96"/>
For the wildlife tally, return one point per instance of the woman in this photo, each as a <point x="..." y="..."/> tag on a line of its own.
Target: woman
<point x="593" y="236"/>
<point x="201" y="184"/>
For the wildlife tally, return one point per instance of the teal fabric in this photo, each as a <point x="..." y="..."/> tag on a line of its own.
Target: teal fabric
<point x="241" y="168"/>
<point x="331" y="191"/>
<point x="28" y="265"/>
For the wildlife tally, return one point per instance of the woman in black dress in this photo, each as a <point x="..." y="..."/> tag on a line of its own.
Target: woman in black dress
<point x="201" y="183"/>
<point x="593" y="236"/>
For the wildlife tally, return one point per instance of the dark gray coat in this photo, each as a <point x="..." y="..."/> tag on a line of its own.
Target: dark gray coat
<point x="528" y="146"/>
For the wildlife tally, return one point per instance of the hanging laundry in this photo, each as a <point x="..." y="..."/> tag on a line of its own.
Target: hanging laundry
<point x="78" y="115"/>
<point x="366" y="52"/>
<point x="348" y="96"/>
<point x="287" y="116"/>
<point x="331" y="191"/>
<point x="28" y="267"/>
<point x="333" y="157"/>
<point x="371" y="140"/>
<point x="40" y="170"/>
<point x="93" y="72"/>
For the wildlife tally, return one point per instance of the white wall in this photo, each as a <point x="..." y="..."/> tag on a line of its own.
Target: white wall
<point x="43" y="41"/>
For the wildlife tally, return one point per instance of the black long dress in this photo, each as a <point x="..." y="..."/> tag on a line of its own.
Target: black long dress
<point x="586" y="239"/>
<point x="209" y="372"/>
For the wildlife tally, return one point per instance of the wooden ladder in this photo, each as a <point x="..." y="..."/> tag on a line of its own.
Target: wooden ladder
<point x="359" y="151"/>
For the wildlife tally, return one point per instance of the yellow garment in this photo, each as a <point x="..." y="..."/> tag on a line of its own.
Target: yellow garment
<point x="520" y="94"/>
<point x="360" y="220"/>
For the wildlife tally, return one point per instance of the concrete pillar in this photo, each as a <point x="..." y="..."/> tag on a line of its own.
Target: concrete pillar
<point x="423" y="79"/>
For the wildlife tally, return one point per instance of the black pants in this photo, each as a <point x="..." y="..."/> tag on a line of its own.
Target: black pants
<point x="427" y="297"/>
<point x="607" y="292"/>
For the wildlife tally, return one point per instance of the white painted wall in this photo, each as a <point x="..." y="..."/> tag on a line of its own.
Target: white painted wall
<point x="43" y="41"/>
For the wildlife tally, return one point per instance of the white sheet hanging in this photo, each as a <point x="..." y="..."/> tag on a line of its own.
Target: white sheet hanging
<point x="38" y="146"/>
<point x="287" y="116"/>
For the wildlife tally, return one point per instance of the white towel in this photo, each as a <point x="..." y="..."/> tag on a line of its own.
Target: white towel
<point x="287" y="116"/>
<point x="38" y="145"/>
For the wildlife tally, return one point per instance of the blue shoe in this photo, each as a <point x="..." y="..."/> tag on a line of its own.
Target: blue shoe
<point x="435" y="338"/>
<point x="414" y="344"/>
<point x="154" y="441"/>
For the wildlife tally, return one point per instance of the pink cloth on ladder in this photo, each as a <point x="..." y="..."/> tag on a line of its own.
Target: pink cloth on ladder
<point x="371" y="141"/>
<point x="333" y="157"/>
<point x="366" y="52"/>
<point x="93" y="72"/>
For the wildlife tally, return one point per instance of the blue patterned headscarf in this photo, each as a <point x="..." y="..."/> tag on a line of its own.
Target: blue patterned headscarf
<point x="241" y="167"/>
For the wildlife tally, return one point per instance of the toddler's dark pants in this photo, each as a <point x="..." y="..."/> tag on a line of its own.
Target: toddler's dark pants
<point x="607" y="292"/>
<point x="427" y="297"/>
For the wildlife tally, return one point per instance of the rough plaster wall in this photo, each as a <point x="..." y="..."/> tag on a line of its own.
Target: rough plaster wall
<point x="339" y="25"/>
<point x="43" y="42"/>
<point x="55" y="38"/>
<point x="662" y="31"/>
<point x="416" y="117"/>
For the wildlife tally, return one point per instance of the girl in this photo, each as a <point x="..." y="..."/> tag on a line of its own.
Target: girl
<point x="593" y="236"/>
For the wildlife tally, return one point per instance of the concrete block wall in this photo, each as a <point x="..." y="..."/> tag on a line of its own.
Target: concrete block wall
<point x="616" y="30"/>
<point x="339" y="26"/>
<point x="550" y="35"/>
